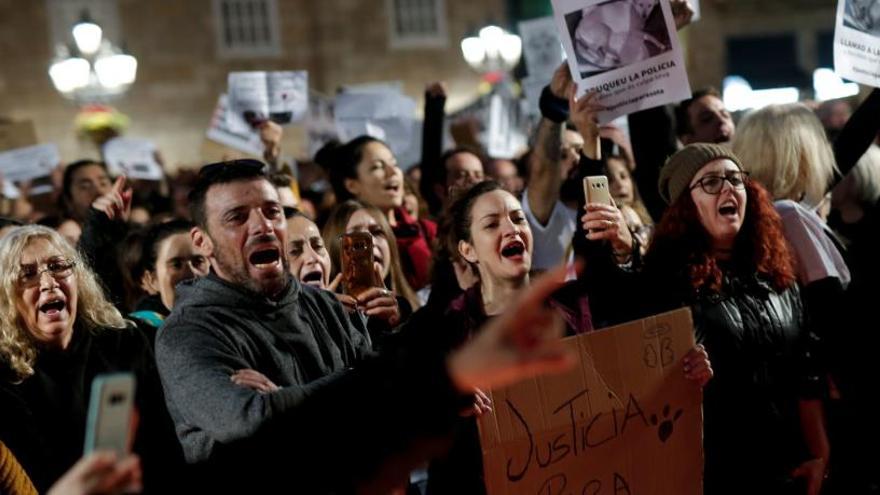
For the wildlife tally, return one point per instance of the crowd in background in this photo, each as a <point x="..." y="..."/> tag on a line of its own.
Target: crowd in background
<point x="765" y="226"/>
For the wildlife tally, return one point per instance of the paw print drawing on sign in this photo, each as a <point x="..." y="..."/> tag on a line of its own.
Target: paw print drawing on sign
<point x="666" y="424"/>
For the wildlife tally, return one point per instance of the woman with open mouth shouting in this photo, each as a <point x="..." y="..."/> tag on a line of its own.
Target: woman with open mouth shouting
<point x="57" y="332"/>
<point x="365" y="169"/>
<point x="720" y="249"/>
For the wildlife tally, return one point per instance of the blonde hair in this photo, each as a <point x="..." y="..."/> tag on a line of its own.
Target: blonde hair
<point x="785" y="149"/>
<point x="93" y="311"/>
<point x="861" y="186"/>
<point x="335" y="227"/>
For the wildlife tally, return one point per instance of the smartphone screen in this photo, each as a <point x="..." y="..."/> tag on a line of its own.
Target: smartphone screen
<point x="357" y="263"/>
<point x="109" y="423"/>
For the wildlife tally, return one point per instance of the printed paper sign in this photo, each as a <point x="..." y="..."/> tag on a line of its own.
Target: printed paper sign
<point x="255" y="97"/>
<point x="857" y="41"/>
<point x="136" y="158"/>
<point x="626" y="421"/>
<point x="246" y="140"/>
<point x="542" y="48"/>
<point x="321" y="124"/>
<point x="9" y="190"/>
<point x="626" y="50"/>
<point x="33" y="162"/>
<point x="387" y="116"/>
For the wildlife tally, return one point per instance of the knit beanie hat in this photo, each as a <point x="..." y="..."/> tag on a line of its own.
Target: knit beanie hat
<point x="680" y="168"/>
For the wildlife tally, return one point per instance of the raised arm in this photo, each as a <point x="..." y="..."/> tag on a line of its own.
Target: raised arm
<point x="432" y="142"/>
<point x="857" y="135"/>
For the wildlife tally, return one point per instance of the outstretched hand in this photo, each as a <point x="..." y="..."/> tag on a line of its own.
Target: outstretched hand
<point x="520" y="343"/>
<point x="561" y="83"/>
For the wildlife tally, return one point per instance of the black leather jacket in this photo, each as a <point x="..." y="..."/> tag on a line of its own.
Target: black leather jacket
<point x="761" y="350"/>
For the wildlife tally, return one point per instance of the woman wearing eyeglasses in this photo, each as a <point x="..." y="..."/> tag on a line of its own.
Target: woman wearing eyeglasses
<point x="720" y="249"/>
<point x="57" y="332"/>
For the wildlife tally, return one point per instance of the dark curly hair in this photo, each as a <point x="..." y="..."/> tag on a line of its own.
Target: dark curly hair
<point x="682" y="246"/>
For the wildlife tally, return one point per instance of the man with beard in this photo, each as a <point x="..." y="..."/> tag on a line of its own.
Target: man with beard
<point x="254" y="363"/>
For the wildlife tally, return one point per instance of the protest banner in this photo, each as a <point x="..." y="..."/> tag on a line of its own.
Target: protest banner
<point x="385" y="115"/>
<point x="320" y="124"/>
<point x="135" y="158"/>
<point x="625" y="421"/>
<point x="32" y="162"/>
<point x="255" y="97"/>
<point x="17" y="135"/>
<point x="542" y="48"/>
<point x="857" y="41"/>
<point x="246" y="140"/>
<point x="628" y="52"/>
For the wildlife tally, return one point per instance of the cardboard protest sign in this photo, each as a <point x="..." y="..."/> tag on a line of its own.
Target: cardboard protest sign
<point x="626" y="50"/>
<point x="136" y="158"/>
<point x="857" y="41"/>
<point x="385" y="115"/>
<point x="542" y="48"/>
<point x="17" y="135"/>
<point x="246" y="140"/>
<point x="625" y="421"/>
<point x="255" y="97"/>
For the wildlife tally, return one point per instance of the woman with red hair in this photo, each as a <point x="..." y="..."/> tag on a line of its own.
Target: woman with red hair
<point x="720" y="249"/>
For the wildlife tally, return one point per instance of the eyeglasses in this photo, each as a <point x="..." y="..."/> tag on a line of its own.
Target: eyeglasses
<point x="58" y="269"/>
<point x="712" y="184"/>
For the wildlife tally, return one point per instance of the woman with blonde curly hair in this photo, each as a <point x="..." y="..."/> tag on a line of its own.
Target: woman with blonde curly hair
<point x="57" y="332"/>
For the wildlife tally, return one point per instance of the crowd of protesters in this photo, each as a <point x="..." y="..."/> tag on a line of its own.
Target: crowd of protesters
<point x="220" y="290"/>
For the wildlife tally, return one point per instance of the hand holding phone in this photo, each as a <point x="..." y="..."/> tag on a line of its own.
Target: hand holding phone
<point x="109" y="424"/>
<point x="596" y="190"/>
<point x="357" y="263"/>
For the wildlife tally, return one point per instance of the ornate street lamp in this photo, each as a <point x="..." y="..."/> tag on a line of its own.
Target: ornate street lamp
<point x="494" y="50"/>
<point x="91" y="69"/>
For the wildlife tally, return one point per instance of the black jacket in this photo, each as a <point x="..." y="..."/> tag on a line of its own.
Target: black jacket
<point x="43" y="419"/>
<point x="342" y="417"/>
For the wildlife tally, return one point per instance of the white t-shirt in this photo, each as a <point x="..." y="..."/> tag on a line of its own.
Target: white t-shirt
<point x="552" y="240"/>
<point x="817" y="256"/>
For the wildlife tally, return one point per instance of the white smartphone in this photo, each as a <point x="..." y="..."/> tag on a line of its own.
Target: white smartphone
<point x="109" y="425"/>
<point x="596" y="190"/>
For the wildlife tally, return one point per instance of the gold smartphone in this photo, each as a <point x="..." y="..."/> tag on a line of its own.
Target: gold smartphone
<point x="358" y="273"/>
<point x="596" y="190"/>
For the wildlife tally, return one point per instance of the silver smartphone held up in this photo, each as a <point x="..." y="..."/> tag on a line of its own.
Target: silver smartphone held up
<point x="109" y="423"/>
<point x="596" y="190"/>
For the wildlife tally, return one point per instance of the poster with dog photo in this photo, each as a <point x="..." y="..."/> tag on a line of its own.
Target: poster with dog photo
<point x="857" y="41"/>
<point x="625" y="50"/>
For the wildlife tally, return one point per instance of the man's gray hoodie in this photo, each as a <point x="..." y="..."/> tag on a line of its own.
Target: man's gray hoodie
<point x="302" y="342"/>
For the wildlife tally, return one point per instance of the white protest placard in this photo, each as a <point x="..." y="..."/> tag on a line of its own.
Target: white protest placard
<point x="857" y="41"/>
<point x="246" y="140"/>
<point x="695" y="5"/>
<point x="133" y="157"/>
<point x="387" y="116"/>
<point x="627" y="51"/>
<point x="531" y="88"/>
<point x="504" y="137"/>
<point x="320" y="124"/>
<point x="32" y="162"/>
<point x="542" y="47"/>
<point x="9" y="190"/>
<point x="254" y="97"/>
<point x="375" y="87"/>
